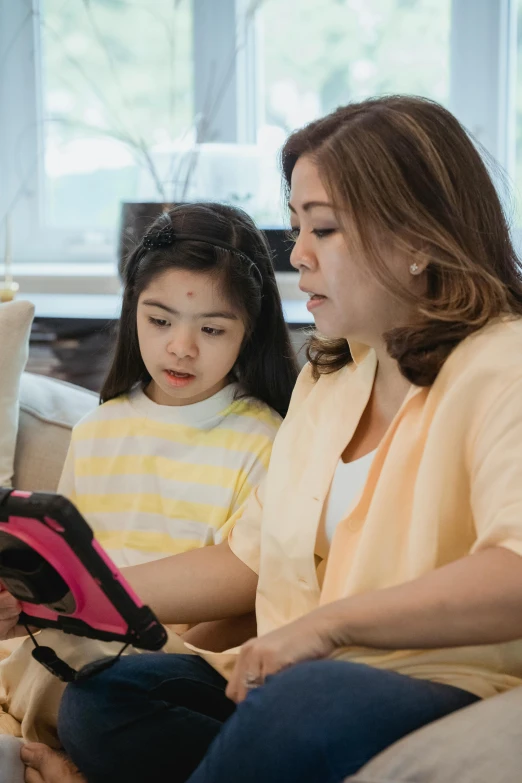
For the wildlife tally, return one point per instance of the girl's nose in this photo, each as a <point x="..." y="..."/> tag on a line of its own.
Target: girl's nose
<point x="182" y="345"/>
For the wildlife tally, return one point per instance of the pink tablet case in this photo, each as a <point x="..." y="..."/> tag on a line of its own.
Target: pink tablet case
<point x="50" y="561"/>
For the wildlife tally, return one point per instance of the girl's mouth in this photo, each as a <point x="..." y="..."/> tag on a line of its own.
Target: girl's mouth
<point x="179" y="379"/>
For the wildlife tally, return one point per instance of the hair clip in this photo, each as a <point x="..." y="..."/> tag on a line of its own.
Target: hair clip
<point x="166" y="237"/>
<point x="156" y="239"/>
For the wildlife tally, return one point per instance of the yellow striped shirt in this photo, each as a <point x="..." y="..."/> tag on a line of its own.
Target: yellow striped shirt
<point x="155" y="480"/>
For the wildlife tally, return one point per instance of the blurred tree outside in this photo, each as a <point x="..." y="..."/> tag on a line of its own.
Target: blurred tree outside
<point x="117" y="83"/>
<point x="319" y="56"/>
<point x="518" y="118"/>
<point x="114" y="68"/>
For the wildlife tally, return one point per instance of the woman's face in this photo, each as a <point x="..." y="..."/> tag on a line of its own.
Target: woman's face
<point x="346" y="300"/>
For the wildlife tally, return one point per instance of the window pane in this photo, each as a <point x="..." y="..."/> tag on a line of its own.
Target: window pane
<point x="322" y="55"/>
<point x="518" y="120"/>
<point x="118" y="95"/>
<point x="117" y="81"/>
<point x="318" y="56"/>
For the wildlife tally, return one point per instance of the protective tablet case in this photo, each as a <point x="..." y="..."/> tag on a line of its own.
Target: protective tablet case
<point x="50" y="561"/>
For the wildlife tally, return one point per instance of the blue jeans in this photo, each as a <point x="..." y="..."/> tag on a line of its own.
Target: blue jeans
<point x="165" y="718"/>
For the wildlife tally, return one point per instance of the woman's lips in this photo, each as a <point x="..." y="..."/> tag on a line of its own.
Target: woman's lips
<point x="315" y="301"/>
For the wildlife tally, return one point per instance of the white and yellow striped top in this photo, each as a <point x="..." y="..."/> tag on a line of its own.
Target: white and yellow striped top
<point x="155" y="480"/>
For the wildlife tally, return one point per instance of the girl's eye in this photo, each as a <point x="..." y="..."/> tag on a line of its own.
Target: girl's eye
<point x="212" y="332"/>
<point x="293" y="234"/>
<point x="159" y="322"/>
<point x="321" y="233"/>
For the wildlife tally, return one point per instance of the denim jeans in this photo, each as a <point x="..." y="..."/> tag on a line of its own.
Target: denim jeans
<point x="165" y="718"/>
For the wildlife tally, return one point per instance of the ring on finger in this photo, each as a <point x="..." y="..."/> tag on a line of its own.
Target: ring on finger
<point x="251" y="681"/>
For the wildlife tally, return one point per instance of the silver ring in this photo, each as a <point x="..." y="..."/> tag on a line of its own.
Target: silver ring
<point x="252" y="681"/>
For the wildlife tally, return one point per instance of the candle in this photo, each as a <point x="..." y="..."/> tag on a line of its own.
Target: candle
<point x="7" y="256"/>
<point x="8" y="287"/>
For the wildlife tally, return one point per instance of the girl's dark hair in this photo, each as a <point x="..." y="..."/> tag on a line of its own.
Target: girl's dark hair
<point x="266" y="367"/>
<point x="401" y="170"/>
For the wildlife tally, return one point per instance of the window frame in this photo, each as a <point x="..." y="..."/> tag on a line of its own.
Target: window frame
<point x="482" y="83"/>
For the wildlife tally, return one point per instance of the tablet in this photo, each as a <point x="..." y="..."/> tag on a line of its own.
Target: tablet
<point x="50" y="561"/>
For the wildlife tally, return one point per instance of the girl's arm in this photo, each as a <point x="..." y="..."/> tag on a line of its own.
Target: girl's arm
<point x="196" y="586"/>
<point x="221" y="635"/>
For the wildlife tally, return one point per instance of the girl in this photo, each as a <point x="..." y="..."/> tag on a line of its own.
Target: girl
<point x="202" y="374"/>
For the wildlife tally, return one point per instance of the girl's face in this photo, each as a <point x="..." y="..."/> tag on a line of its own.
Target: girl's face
<point x="189" y="337"/>
<point x="346" y="300"/>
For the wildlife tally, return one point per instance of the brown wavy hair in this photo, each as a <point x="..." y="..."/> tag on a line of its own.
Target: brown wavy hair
<point x="403" y="169"/>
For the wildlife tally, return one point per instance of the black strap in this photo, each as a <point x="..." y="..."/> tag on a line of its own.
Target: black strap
<point x="47" y="657"/>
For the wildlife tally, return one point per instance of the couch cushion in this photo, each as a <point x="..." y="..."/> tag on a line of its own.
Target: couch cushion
<point x="12" y="769"/>
<point x="478" y="744"/>
<point x="15" y="326"/>
<point x="49" y="409"/>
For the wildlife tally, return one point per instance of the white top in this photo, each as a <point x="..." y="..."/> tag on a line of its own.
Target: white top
<point x="347" y="484"/>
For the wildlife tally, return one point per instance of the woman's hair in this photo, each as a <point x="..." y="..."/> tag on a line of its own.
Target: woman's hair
<point x="266" y="367"/>
<point x="401" y="171"/>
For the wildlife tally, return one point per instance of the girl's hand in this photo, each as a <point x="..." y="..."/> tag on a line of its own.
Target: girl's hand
<point x="310" y="638"/>
<point x="9" y="613"/>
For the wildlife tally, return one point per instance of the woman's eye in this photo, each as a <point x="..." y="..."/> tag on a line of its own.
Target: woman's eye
<point x="212" y="332"/>
<point x="159" y="322"/>
<point x="320" y="233"/>
<point x="293" y="234"/>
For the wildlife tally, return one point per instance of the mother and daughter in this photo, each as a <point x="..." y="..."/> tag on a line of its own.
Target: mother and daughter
<point x="382" y="551"/>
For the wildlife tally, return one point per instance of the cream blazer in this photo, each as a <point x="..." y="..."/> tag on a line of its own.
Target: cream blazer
<point x="446" y="481"/>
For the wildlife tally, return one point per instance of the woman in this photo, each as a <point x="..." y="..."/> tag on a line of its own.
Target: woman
<point x="382" y="552"/>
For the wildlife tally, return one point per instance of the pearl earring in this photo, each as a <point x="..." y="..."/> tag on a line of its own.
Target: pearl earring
<point x="415" y="269"/>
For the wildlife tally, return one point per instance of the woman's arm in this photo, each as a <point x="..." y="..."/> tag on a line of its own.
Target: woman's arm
<point x="197" y="586"/>
<point x="474" y="600"/>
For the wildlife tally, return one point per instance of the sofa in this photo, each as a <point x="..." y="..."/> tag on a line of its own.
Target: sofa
<point x="49" y="409"/>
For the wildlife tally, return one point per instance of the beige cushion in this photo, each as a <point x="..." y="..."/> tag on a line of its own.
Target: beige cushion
<point x="49" y="409"/>
<point x="15" y="326"/>
<point x="12" y="769"/>
<point x="479" y="744"/>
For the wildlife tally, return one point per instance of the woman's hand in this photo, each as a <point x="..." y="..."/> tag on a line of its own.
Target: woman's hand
<point x="9" y="613"/>
<point x="310" y="638"/>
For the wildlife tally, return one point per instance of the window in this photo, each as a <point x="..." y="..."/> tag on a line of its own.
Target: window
<point x="117" y="82"/>
<point x="517" y="112"/>
<point x="105" y="101"/>
<point x="319" y="55"/>
<point x="351" y="50"/>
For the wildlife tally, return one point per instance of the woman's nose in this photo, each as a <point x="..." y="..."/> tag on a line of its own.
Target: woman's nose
<point x="302" y="256"/>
